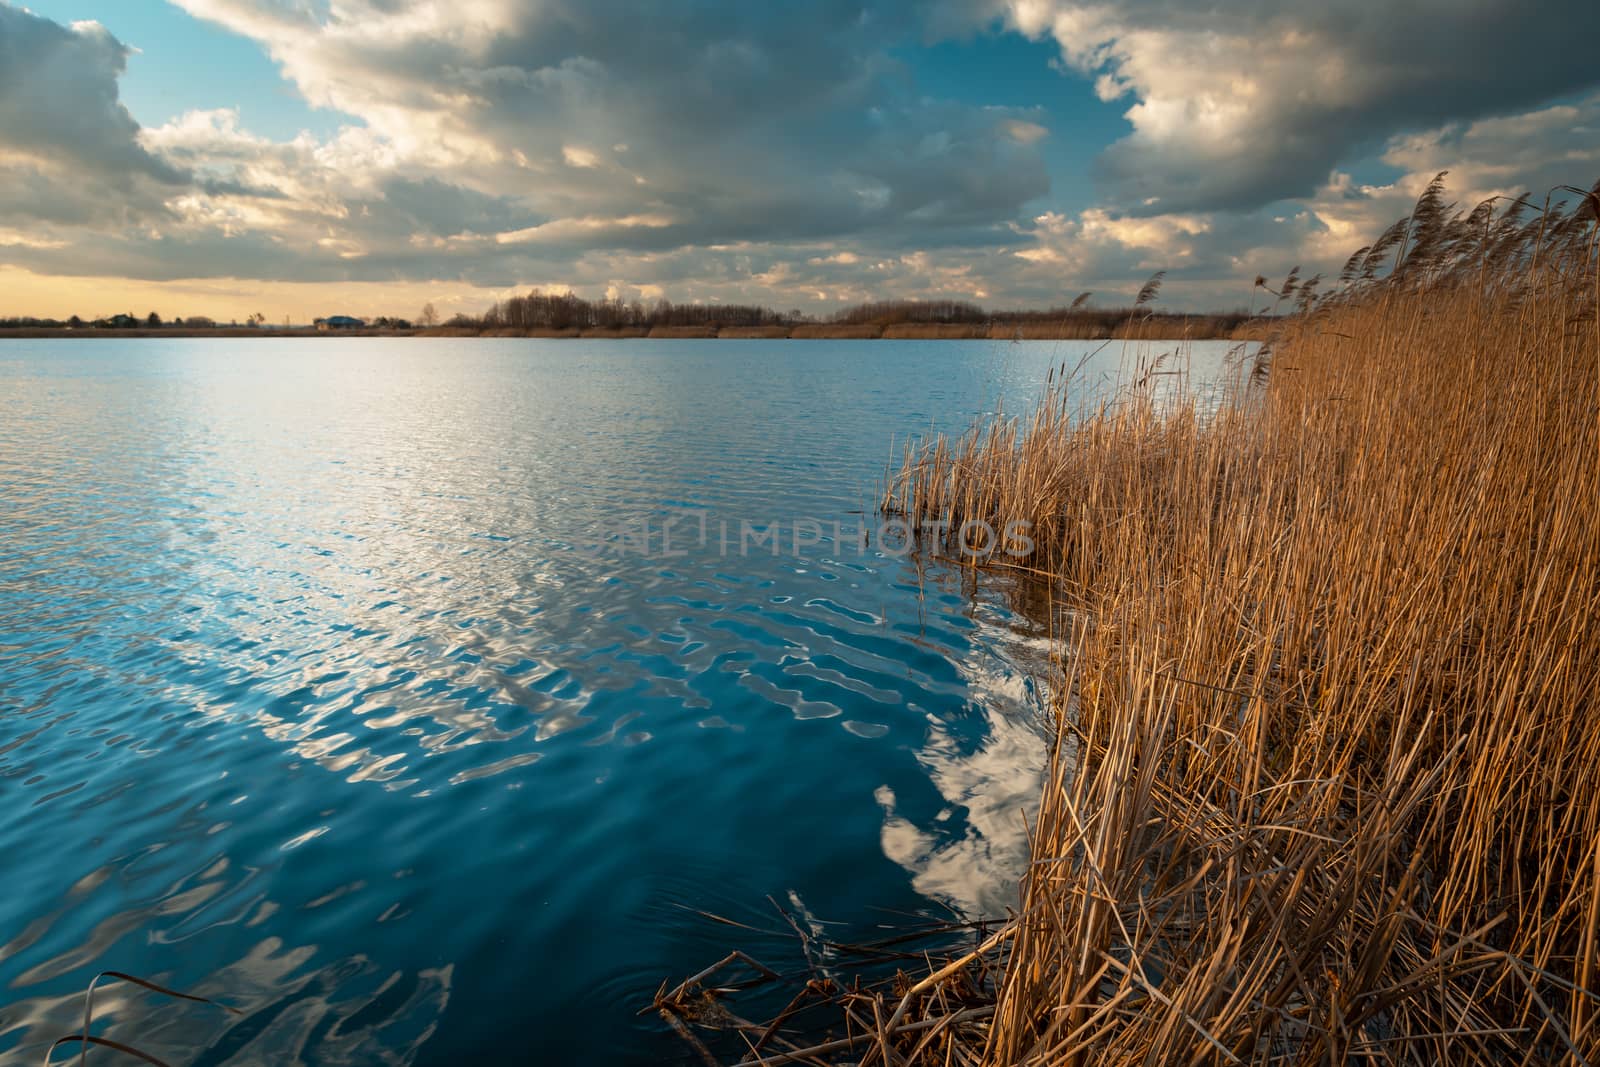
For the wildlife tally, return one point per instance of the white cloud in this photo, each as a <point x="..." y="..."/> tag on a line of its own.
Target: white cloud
<point x="69" y="151"/>
<point x="18" y="239"/>
<point x="1024" y="132"/>
<point x="774" y="157"/>
<point x="736" y="126"/>
<point x="588" y="227"/>
<point x="1234" y="106"/>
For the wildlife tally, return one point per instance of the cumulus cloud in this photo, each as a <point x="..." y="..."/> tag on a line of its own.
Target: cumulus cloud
<point x="498" y="140"/>
<point x="59" y="100"/>
<point x="1237" y="105"/>
<point x="738" y="122"/>
<point x="1211" y="255"/>
<point x="69" y="151"/>
<point x="783" y="155"/>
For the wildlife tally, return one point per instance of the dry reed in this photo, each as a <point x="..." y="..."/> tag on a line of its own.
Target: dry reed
<point x="1327" y="787"/>
<point x="1327" y="781"/>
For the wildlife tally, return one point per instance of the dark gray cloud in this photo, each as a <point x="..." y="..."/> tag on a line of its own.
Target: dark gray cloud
<point x="500" y="135"/>
<point x="737" y="122"/>
<point x="59" y="100"/>
<point x="1238" y="105"/>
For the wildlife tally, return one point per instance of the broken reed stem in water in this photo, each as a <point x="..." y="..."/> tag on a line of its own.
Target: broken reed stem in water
<point x="1327" y="784"/>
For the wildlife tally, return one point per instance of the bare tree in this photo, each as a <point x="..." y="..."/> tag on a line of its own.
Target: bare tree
<point x="429" y="316"/>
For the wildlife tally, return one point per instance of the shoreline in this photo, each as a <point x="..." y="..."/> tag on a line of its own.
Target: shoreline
<point x="1322" y="772"/>
<point x="1154" y="331"/>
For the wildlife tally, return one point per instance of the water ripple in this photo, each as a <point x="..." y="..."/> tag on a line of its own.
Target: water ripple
<point x="333" y="686"/>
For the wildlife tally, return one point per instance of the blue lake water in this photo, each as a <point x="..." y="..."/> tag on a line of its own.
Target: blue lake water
<point x="355" y="684"/>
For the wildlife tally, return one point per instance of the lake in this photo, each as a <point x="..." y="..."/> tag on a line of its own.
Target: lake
<point x="413" y="695"/>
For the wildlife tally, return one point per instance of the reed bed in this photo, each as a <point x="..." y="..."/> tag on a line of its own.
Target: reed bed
<point x="1326" y="787"/>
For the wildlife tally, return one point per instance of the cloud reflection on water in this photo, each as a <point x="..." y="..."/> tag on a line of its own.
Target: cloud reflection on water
<point x="994" y="786"/>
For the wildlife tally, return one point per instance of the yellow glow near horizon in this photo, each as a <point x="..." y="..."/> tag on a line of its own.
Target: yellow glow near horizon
<point x="24" y="293"/>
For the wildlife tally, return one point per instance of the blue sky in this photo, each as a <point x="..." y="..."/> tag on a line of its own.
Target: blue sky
<point x="226" y="156"/>
<point x="183" y="63"/>
<point x="997" y="67"/>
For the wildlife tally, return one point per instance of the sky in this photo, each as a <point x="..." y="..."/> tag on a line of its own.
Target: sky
<point x="300" y="158"/>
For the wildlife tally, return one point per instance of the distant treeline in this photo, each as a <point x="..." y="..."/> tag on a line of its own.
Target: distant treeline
<point x="567" y="314"/>
<point x="154" y="321"/>
<point x="561" y="312"/>
<point x="151" y="321"/>
<point x="566" y="311"/>
<point x="1104" y="322"/>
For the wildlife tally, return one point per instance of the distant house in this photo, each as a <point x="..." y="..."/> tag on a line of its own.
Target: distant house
<point x="339" y="322"/>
